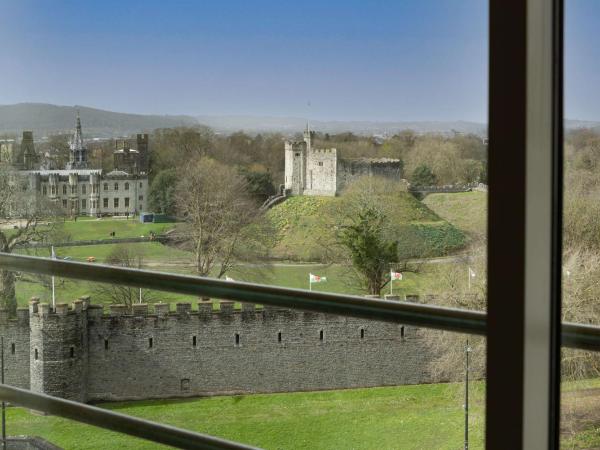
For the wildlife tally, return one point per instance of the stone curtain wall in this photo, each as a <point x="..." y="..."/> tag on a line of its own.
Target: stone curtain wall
<point x="349" y="170"/>
<point x="84" y="354"/>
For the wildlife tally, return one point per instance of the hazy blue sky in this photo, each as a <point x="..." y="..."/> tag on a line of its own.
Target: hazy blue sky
<point x="364" y="60"/>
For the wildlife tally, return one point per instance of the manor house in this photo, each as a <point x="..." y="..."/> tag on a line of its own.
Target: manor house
<point x="78" y="188"/>
<point x="310" y="171"/>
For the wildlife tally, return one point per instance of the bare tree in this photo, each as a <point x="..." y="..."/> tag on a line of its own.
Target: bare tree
<point x="125" y="256"/>
<point x="222" y="222"/>
<point x="461" y="285"/>
<point x="21" y="211"/>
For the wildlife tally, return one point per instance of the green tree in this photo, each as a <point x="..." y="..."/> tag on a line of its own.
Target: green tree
<point x="260" y="184"/>
<point x="162" y="192"/>
<point x="371" y="252"/>
<point x="422" y="176"/>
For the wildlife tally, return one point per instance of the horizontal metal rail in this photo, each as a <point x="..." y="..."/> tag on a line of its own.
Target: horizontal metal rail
<point x="110" y="420"/>
<point x="472" y="322"/>
<point x="436" y="317"/>
<point x="460" y="320"/>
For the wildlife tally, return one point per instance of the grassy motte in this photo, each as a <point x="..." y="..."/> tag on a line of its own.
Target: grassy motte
<point x="306" y="231"/>
<point x="465" y="210"/>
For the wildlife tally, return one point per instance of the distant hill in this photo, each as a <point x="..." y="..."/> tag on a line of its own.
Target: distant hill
<point x="45" y="119"/>
<point x="291" y="125"/>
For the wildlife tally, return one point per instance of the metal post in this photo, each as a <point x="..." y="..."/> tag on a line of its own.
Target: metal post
<point x="467" y="349"/>
<point x="3" y="402"/>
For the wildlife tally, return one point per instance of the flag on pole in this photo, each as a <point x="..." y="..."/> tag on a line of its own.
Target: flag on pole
<point x="316" y="278"/>
<point x="471" y="273"/>
<point x="395" y="275"/>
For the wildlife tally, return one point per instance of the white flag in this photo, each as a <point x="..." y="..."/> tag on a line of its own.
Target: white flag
<point x="395" y="275"/>
<point x="471" y="273"/>
<point x="316" y="278"/>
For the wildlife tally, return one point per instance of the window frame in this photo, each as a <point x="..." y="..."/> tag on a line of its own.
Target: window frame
<point x="524" y="223"/>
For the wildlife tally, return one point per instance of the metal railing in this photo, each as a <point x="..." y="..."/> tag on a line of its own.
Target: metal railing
<point x="435" y="317"/>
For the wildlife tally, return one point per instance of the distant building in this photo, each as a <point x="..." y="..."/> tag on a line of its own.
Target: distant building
<point x="79" y="189"/>
<point x="310" y="171"/>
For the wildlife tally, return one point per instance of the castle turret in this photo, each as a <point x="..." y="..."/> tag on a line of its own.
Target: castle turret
<point x="58" y="351"/>
<point x="143" y="150"/>
<point x="295" y="167"/>
<point x="309" y="136"/>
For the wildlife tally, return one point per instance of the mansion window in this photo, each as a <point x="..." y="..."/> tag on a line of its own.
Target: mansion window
<point x="116" y="202"/>
<point x="105" y="202"/>
<point x="94" y="189"/>
<point x="83" y="206"/>
<point x="141" y="197"/>
<point x="141" y="184"/>
<point x="126" y="202"/>
<point x="64" y="189"/>
<point x="116" y="186"/>
<point x="126" y="186"/>
<point x="74" y="189"/>
<point x="53" y="189"/>
<point x="83" y="189"/>
<point x="106" y="186"/>
<point x="64" y="203"/>
<point x="44" y="190"/>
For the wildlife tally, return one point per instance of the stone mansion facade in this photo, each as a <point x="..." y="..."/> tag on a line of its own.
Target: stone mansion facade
<point x="311" y="171"/>
<point x="80" y="189"/>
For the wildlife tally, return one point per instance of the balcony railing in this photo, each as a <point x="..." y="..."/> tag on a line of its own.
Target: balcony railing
<point x="428" y="316"/>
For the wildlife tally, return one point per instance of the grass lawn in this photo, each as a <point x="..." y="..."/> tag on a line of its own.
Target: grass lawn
<point x="168" y="259"/>
<point x="91" y="229"/>
<point x="403" y="417"/>
<point x="465" y="210"/>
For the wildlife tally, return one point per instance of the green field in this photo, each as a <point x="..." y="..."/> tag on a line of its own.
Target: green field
<point x="403" y="417"/>
<point x="88" y="228"/>
<point x="464" y="210"/>
<point x="305" y="227"/>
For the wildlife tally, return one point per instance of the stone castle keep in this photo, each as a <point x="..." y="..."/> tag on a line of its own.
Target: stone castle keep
<point x="310" y="171"/>
<point x="83" y="354"/>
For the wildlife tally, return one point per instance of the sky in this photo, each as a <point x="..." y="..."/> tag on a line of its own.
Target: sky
<point x="411" y="60"/>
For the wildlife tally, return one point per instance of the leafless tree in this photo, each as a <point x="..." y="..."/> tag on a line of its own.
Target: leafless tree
<point x="125" y="256"/>
<point x="22" y="211"/>
<point x="223" y="225"/>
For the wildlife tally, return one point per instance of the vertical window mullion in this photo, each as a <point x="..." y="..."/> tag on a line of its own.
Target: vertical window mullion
<point x="525" y="151"/>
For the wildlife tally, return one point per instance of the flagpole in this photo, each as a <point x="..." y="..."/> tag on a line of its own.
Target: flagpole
<point x="469" y="276"/>
<point x="53" y="291"/>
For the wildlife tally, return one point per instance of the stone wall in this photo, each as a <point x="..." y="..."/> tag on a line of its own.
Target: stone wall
<point x="321" y="172"/>
<point x="350" y="170"/>
<point x="83" y="354"/>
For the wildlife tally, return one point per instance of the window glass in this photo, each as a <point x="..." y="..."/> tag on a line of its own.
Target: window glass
<point x="580" y="397"/>
<point x="329" y="147"/>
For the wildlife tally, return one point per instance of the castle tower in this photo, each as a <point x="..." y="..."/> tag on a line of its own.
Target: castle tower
<point x="78" y="155"/>
<point x="143" y="150"/>
<point x="28" y="150"/>
<point x="295" y="166"/>
<point x="309" y="136"/>
<point x="58" y="351"/>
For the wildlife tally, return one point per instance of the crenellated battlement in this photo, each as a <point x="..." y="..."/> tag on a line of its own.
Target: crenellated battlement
<point x="90" y="352"/>
<point x="323" y="151"/>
